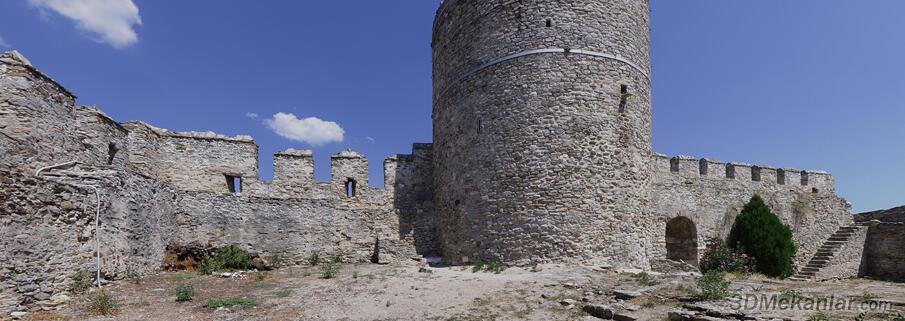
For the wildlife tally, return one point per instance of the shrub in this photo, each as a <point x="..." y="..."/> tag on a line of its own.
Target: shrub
<point x="276" y="260"/>
<point x="712" y="286"/>
<point x="103" y="304"/>
<point x="645" y="279"/>
<point x="819" y="316"/>
<point x="185" y="293"/>
<point x="133" y="277"/>
<point x="493" y="266"/>
<point x="314" y="259"/>
<point x="722" y="258"/>
<point x="230" y="257"/>
<point x="244" y="303"/>
<point x="282" y="293"/>
<point x="80" y="283"/>
<point x="758" y="232"/>
<point x="329" y="269"/>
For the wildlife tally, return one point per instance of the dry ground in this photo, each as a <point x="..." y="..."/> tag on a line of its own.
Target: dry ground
<point x="380" y="292"/>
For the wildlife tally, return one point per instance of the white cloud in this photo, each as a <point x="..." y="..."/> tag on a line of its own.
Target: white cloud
<point x="111" y="20"/>
<point x="311" y="130"/>
<point x="251" y="115"/>
<point x="3" y="43"/>
<point x="369" y="138"/>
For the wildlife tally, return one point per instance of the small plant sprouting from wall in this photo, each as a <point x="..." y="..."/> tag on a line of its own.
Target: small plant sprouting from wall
<point x="314" y="259"/>
<point x="329" y="269"/>
<point x="81" y="282"/>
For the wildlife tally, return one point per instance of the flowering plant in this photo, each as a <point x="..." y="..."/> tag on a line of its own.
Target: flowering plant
<point x="722" y="258"/>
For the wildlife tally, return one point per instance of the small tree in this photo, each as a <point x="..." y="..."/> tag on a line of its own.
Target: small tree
<point x="760" y="234"/>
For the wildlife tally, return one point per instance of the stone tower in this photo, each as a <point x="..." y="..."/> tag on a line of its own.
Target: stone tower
<point x="542" y="130"/>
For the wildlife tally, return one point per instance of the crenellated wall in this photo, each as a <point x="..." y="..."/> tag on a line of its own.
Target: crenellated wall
<point x="161" y="189"/>
<point x="711" y="194"/>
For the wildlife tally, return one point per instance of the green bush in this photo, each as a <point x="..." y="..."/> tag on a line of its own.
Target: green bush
<point x="712" y="286"/>
<point x="276" y="260"/>
<point x="81" y="282"/>
<point x="329" y="269"/>
<point x="760" y="234"/>
<point x="103" y="304"/>
<point x="185" y="293"/>
<point x="314" y="259"/>
<point x="720" y="257"/>
<point x="230" y="257"/>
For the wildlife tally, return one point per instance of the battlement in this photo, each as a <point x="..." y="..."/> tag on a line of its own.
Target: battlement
<point x="702" y="168"/>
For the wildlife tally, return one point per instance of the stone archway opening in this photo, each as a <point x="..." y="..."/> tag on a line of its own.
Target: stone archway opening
<point x="682" y="240"/>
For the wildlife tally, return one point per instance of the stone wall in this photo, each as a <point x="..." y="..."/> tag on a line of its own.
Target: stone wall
<point x="47" y="231"/>
<point x="892" y="215"/>
<point x="884" y="254"/>
<point x="712" y="193"/>
<point x="542" y="131"/>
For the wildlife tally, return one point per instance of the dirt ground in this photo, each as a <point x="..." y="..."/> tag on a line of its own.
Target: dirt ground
<point x="381" y="292"/>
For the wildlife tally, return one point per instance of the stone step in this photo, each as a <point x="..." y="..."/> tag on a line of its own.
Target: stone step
<point x="820" y="262"/>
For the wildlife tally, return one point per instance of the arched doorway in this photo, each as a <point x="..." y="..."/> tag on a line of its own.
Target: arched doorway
<point x="682" y="240"/>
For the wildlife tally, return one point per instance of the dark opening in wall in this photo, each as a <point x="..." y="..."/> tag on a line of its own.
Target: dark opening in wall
<point x="234" y="184"/>
<point x="111" y="153"/>
<point x="815" y="190"/>
<point x="804" y="178"/>
<point x="674" y="165"/>
<point x="351" y="188"/>
<point x="730" y="171"/>
<point x="781" y="176"/>
<point x="755" y="173"/>
<point x="702" y="167"/>
<point x="623" y="97"/>
<point x="480" y="126"/>
<point x="549" y="23"/>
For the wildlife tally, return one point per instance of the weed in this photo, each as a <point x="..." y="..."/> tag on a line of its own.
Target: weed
<point x="81" y="282"/>
<point x="494" y="266"/>
<point x="244" y="303"/>
<point x="425" y="270"/>
<point x="185" y="293"/>
<point x="133" y="277"/>
<point x="329" y="269"/>
<point x="867" y="296"/>
<point x="103" y="304"/>
<point x="336" y="259"/>
<point x="819" y="316"/>
<point x="260" y="276"/>
<point x="791" y="295"/>
<point x="712" y="286"/>
<point x="276" y="260"/>
<point x="282" y="293"/>
<point x="355" y="275"/>
<point x="314" y="259"/>
<point x="645" y="279"/>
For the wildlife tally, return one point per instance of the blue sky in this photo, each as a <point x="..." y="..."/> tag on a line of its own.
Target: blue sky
<point x="812" y="84"/>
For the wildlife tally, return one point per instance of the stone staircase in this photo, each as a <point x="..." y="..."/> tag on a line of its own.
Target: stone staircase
<point x="826" y="252"/>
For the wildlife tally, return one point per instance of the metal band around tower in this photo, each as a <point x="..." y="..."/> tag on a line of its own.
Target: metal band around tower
<point x="546" y="51"/>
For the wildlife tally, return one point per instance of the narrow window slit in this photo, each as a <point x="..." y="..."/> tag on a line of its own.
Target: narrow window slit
<point x="351" y="188"/>
<point x="623" y="97"/>
<point x="549" y="23"/>
<point x="234" y="184"/>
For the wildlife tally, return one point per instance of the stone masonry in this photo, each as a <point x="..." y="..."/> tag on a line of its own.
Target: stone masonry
<point x="541" y="153"/>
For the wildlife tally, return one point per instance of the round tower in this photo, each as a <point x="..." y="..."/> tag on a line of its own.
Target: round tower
<point x="542" y="130"/>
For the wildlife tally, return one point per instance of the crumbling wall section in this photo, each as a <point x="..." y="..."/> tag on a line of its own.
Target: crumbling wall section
<point x="712" y="193"/>
<point x="47" y="231"/>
